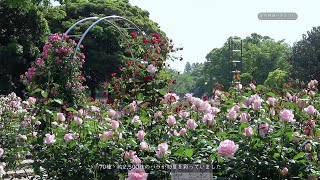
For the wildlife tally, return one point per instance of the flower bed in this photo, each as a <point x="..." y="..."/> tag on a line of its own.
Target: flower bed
<point x="245" y="133"/>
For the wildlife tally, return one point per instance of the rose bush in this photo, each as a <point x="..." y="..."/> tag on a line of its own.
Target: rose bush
<point x="248" y="132"/>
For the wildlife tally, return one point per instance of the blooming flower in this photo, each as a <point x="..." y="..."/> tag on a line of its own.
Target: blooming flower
<point x="232" y="115"/>
<point x="286" y="116"/>
<point x="135" y="160"/>
<point x="137" y="174"/>
<point x="1" y="152"/>
<point x="263" y="129"/>
<point x="248" y="131"/>
<point x="308" y="147"/>
<point x="162" y="150"/>
<point x="107" y="134"/>
<point x="23" y="137"/>
<point x="271" y="101"/>
<point x="227" y="148"/>
<point x="68" y="137"/>
<point x="170" y="97"/>
<point x="114" y="124"/>
<point x="158" y="114"/>
<point x="61" y="117"/>
<point x="256" y="105"/>
<point x="284" y="171"/>
<point x="171" y="120"/>
<point x="129" y="154"/>
<point x="191" y="124"/>
<point x="49" y="139"/>
<point x="244" y="117"/>
<point x="152" y="69"/>
<point x="310" y="110"/>
<point x="183" y="132"/>
<point x="144" y="145"/>
<point x="141" y="135"/>
<point x="31" y="100"/>
<point x="78" y="120"/>
<point x="208" y="119"/>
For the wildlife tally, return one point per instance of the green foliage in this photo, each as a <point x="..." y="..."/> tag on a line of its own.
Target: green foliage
<point x="305" y="56"/>
<point x="276" y="79"/>
<point x="23" y="31"/>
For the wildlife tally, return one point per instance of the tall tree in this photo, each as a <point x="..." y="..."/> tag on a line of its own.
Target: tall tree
<point x="305" y="57"/>
<point x="261" y="55"/>
<point x="23" y="31"/>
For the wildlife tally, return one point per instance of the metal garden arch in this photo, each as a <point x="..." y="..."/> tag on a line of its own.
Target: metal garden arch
<point x="110" y="20"/>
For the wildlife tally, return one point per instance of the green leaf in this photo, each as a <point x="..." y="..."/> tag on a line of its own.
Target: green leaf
<point x="59" y="101"/>
<point x="35" y="91"/>
<point x="136" y="124"/>
<point x="44" y="94"/>
<point x="55" y="116"/>
<point x="71" y="109"/>
<point x="221" y="134"/>
<point x="179" y="152"/>
<point x="298" y="156"/>
<point x="188" y="153"/>
<point x="162" y="91"/>
<point x="140" y="97"/>
<point x="271" y="94"/>
<point x="48" y="111"/>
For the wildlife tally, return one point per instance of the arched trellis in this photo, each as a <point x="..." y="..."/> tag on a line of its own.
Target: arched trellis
<point x="110" y="20"/>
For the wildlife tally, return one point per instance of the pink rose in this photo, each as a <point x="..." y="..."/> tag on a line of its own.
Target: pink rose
<point x="227" y="148"/>
<point x="232" y="115"/>
<point x="263" y="129"/>
<point x="215" y="110"/>
<point x="170" y="97"/>
<point x="136" y="119"/>
<point x="68" y="137"/>
<point x="248" y="131"/>
<point x="310" y="110"/>
<point x="252" y="86"/>
<point x="78" y="120"/>
<point x="183" y="132"/>
<point x="144" y="145"/>
<point x="137" y="174"/>
<point x="112" y="112"/>
<point x="129" y="154"/>
<point x="247" y="102"/>
<point x="163" y="147"/>
<point x="95" y="109"/>
<point x="141" y="135"/>
<point x="189" y="97"/>
<point x="284" y="171"/>
<point x="256" y="105"/>
<point x="191" y="124"/>
<point x="244" y="117"/>
<point x="61" y="117"/>
<point x="197" y="102"/>
<point x="135" y="160"/>
<point x="171" y="120"/>
<point x="271" y="101"/>
<point x="49" y="139"/>
<point x="296" y="136"/>
<point x="235" y="107"/>
<point x="152" y="69"/>
<point x="286" y="116"/>
<point x="1" y="152"/>
<point x="184" y="114"/>
<point x="114" y="124"/>
<point x="107" y="134"/>
<point x="158" y="114"/>
<point x="31" y="100"/>
<point x="208" y="119"/>
<point x="23" y="137"/>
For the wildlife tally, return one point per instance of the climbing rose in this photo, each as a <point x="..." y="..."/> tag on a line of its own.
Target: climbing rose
<point x="191" y="124"/>
<point x="248" y="131"/>
<point x="284" y="171"/>
<point x="61" y="117"/>
<point x="68" y="137"/>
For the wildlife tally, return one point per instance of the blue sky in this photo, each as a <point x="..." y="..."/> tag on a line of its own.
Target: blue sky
<point x="199" y="26"/>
